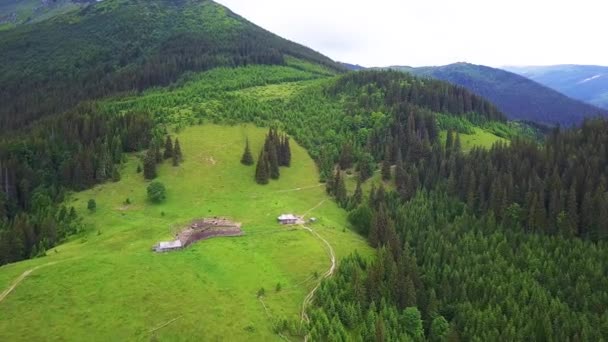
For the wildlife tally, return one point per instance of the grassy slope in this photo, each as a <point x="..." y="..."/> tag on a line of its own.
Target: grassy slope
<point x="110" y="286"/>
<point x="480" y="138"/>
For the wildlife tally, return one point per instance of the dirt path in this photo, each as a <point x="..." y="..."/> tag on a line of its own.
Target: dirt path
<point x="19" y="279"/>
<point x="302" y="188"/>
<point x="327" y="274"/>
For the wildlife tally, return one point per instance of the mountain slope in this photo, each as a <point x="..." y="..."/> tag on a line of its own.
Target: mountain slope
<point x="125" y="45"/>
<point x="587" y="83"/>
<point x="517" y="96"/>
<point x="18" y="12"/>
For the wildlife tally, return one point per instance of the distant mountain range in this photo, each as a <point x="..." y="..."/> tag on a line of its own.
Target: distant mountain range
<point x="587" y="83"/>
<point x="518" y="97"/>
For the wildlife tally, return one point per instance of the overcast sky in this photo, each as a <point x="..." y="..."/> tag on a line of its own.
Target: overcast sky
<point x="437" y="32"/>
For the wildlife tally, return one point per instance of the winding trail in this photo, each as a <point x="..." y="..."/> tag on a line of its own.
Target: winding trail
<point x="302" y="188"/>
<point x="19" y="279"/>
<point x="308" y="299"/>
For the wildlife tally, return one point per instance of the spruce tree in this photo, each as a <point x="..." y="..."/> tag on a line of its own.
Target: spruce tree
<point x="150" y="164"/>
<point x="262" y="171"/>
<point x="177" y="151"/>
<point x="357" y="197"/>
<point x="286" y="152"/>
<point x="247" y="158"/>
<point x="340" y="191"/>
<point x="168" y="148"/>
<point x="273" y="160"/>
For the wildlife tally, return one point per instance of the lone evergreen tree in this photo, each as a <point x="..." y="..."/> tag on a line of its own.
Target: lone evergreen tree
<point x="150" y="164"/>
<point x="247" y="158"/>
<point x="177" y="151"/>
<point x="262" y="172"/>
<point x="168" y="148"/>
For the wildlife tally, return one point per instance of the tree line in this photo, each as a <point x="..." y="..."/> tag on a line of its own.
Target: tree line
<point x="72" y="151"/>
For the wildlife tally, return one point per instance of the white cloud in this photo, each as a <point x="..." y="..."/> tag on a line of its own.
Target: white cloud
<point x="434" y="32"/>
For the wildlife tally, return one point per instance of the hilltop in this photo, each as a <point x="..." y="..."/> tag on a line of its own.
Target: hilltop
<point x="118" y="46"/>
<point x="587" y="83"/>
<point x="517" y="96"/>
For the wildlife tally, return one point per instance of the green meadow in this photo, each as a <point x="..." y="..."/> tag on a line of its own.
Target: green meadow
<point x="106" y="284"/>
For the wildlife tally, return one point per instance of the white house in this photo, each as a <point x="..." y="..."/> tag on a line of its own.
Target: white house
<point x="287" y="219"/>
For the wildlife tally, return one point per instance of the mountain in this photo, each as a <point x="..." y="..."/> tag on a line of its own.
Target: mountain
<point x="515" y="95"/>
<point x="353" y="67"/>
<point x="119" y="46"/>
<point x="587" y="83"/>
<point x="18" y="12"/>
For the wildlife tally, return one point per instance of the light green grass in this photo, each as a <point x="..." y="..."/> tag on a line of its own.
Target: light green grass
<point x="112" y="287"/>
<point x="481" y="138"/>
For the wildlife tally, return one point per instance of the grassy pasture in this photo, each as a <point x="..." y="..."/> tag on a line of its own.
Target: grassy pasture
<point x="108" y="285"/>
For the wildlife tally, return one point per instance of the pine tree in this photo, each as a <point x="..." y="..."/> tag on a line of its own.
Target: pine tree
<point x="273" y="160"/>
<point x="357" y="197"/>
<point x="177" y="151"/>
<point x="287" y="152"/>
<point x="247" y="158"/>
<point x="150" y="164"/>
<point x="340" y="191"/>
<point x="168" y="148"/>
<point x="262" y="171"/>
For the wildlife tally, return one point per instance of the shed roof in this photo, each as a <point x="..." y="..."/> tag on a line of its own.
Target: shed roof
<point x="170" y="244"/>
<point x="286" y="217"/>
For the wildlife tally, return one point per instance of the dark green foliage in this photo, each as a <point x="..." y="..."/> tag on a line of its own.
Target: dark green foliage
<point x="262" y="169"/>
<point x="150" y="164"/>
<point x="247" y="158"/>
<point x="119" y="46"/>
<point x="157" y="192"/>
<point x="273" y="161"/>
<point x="91" y="205"/>
<point x="497" y="268"/>
<point x="177" y="151"/>
<point x="177" y="157"/>
<point x="346" y="157"/>
<point x="168" y="148"/>
<point x="72" y="151"/>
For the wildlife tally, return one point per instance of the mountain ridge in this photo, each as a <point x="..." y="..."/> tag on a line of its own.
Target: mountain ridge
<point x="117" y="46"/>
<point x="518" y="97"/>
<point x="588" y="83"/>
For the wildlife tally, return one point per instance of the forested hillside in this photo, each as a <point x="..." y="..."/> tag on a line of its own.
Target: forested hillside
<point x="518" y="97"/>
<point x="124" y="46"/>
<point x="502" y="239"/>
